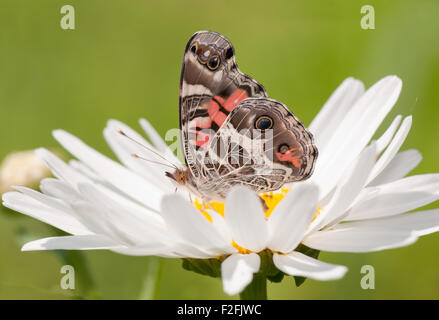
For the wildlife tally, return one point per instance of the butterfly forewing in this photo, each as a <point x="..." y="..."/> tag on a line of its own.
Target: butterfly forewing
<point x="211" y="86"/>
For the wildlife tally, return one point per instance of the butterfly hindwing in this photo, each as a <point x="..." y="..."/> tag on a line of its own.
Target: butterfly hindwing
<point x="261" y="145"/>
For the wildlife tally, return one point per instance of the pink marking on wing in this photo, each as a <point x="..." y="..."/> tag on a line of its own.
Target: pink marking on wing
<point x="289" y="157"/>
<point x="219" y="99"/>
<point x="215" y="114"/>
<point x="236" y="97"/>
<point x="201" y="138"/>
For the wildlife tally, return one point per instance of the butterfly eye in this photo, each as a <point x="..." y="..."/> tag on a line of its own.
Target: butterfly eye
<point x="194" y="48"/>
<point x="181" y="179"/>
<point x="213" y="63"/>
<point x="264" y="123"/>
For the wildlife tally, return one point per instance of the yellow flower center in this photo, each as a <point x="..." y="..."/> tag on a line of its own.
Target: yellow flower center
<point x="202" y="207"/>
<point x="271" y="199"/>
<point x="240" y="249"/>
<point x="317" y="213"/>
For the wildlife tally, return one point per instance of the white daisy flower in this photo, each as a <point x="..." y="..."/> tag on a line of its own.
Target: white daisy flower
<point x="356" y="201"/>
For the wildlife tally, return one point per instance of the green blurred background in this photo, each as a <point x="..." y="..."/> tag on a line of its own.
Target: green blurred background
<point x="123" y="61"/>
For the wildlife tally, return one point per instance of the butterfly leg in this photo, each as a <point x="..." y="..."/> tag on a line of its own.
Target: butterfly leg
<point x="207" y="204"/>
<point x="264" y="204"/>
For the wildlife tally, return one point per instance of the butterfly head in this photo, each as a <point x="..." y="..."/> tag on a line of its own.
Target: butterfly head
<point x="184" y="178"/>
<point x="179" y="176"/>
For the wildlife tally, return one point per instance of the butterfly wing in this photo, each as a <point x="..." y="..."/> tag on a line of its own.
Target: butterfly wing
<point x="211" y="86"/>
<point x="262" y="145"/>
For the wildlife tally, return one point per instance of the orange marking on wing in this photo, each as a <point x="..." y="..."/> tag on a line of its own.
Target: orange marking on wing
<point x="201" y="138"/>
<point x="213" y="108"/>
<point x="236" y="97"/>
<point x="219" y="99"/>
<point x="214" y="105"/>
<point x="219" y="118"/>
<point x="215" y="114"/>
<point x="290" y="157"/>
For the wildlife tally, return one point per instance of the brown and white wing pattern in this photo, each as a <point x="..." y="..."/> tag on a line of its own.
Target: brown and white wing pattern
<point x="231" y="132"/>
<point x="261" y="145"/>
<point x="211" y="86"/>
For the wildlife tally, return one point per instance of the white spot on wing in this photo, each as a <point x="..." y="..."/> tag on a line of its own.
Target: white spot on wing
<point x="191" y="89"/>
<point x="218" y="76"/>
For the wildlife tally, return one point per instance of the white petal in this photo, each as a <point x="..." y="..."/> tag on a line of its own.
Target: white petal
<point x="119" y="176"/>
<point x="98" y="219"/>
<point x="152" y="172"/>
<point x="419" y="223"/>
<point x="183" y="219"/>
<point x="291" y="217"/>
<point x="153" y="135"/>
<point x="335" y="109"/>
<point x="49" y="201"/>
<point x="386" y="137"/>
<point x="147" y="251"/>
<point x="298" y="264"/>
<point x="66" y="216"/>
<point x="59" y="168"/>
<point x="105" y="211"/>
<point x="42" y="211"/>
<point x="348" y="189"/>
<point x="133" y="221"/>
<point x="355" y="131"/>
<point x="237" y="272"/>
<point x="246" y="219"/>
<point x="399" y="167"/>
<point x="220" y="224"/>
<point x="392" y="149"/>
<point x="84" y="170"/>
<point x="124" y="146"/>
<point x="396" y="197"/>
<point x="158" y="141"/>
<point x="60" y="190"/>
<point x="85" y="242"/>
<point x="184" y="249"/>
<point x="358" y="239"/>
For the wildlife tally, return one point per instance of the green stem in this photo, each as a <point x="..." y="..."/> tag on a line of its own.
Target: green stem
<point x="151" y="281"/>
<point x="256" y="290"/>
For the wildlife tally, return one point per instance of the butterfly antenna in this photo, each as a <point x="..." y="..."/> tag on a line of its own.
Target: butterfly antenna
<point x="149" y="149"/>
<point x="134" y="155"/>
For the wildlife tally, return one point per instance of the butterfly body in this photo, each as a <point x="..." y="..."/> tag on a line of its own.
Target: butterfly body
<point x="231" y="132"/>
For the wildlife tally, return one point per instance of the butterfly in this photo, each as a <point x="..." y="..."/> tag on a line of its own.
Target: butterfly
<point x="231" y="132"/>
